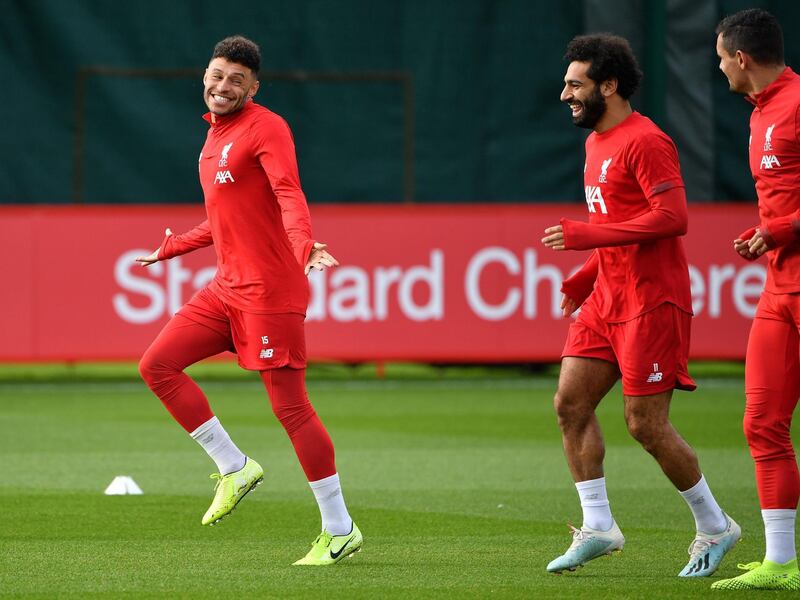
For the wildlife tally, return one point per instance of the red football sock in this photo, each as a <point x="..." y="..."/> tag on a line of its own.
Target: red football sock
<point x="312" y="444"/>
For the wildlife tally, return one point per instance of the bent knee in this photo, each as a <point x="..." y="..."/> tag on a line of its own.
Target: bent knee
<point x="571" y="412"/>
<point x="294" y="417"/>
<point x="147" y="368"/>
<point x="644" y="431"/>
<point x="767" y="434"/>
<point x="155" y="370"/>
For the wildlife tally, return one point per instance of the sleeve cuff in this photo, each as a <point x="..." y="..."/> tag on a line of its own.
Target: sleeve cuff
<point x="573" y="240"/>
<point x="163" y="253"/>
<point x="780" y="232"/>
<point x="305" y="252"/>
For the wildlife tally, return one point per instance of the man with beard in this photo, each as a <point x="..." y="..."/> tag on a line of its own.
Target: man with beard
<point x="635" y="304"/>
<point x="750" y="49"/>
<point x="259" y="225"/>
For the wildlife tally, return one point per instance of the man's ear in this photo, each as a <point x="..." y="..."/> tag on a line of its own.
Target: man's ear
<point x="609" y="87"/>
<point x="253" y="89"/>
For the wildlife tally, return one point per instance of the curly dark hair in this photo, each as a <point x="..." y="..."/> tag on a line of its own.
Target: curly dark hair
<point x="609" y="57"/>
<point x="755" y="32"/>
<point x="240" y="50"/>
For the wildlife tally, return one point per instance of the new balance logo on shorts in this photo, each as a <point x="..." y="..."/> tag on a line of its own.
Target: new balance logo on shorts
<point x="265" y="352"/>
<point x="656" y="375"/>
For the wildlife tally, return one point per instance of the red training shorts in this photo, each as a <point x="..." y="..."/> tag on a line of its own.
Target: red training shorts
<point x="261" y="342"/>
<point x="651" y="350"/>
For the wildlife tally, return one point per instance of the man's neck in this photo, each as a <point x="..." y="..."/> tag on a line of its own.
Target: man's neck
<point x="762" y="77"/>
<point x="615" y="114"/>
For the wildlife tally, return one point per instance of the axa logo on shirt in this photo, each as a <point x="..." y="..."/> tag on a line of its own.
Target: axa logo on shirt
<point x="224" y="177"/>
<point x="595" y="196"/>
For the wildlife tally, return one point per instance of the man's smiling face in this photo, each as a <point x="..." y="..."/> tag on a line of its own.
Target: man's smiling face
<point x="228" y="86"/>
<point x="583" y="96"/>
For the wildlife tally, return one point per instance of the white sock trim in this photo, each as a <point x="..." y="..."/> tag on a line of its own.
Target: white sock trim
<point x="778" y="514"/>
<point x="697" y="487"/>
<point x="598" y="486"/>
<point x="323" y="482"/>
<point x="204" y="427"/>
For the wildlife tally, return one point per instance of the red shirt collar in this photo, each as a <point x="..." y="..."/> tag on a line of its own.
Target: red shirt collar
<point x="773" y="89"/>
<point x="225" y="119"/>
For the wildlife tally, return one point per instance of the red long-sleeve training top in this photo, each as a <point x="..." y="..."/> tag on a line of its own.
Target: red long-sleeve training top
<point x="258" y="219"/>
<point x="775" y="165"/>
<point x="637" y="213"/>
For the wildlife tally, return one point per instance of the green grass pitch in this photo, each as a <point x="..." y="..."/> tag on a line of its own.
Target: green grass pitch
<point x="459" y="486"/>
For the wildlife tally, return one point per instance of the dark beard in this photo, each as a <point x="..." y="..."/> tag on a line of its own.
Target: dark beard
<point x="593" y="110"/>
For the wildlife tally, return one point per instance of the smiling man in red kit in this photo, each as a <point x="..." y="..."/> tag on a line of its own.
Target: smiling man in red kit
<point x="260" y="227"/>
<point x="635" y="303"/>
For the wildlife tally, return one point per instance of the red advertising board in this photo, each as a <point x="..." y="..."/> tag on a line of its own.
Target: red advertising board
<point x="454" y="283"/>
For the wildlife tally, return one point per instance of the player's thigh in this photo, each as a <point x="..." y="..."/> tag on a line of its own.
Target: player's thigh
<point x="653" y="352"/>
<point x="772" y="367"/>
<point x="198" y="330"/>
<point x="271" y="341"/>
<point x="583" y="383"/>
<point x="647" y="414"/>
<point x="589" y="367"/>
<point x="183" y="342"/>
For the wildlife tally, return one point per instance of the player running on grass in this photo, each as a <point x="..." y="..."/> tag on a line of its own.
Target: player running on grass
<point x="635" y="304"/>
<point x="750" y="48"/>
<point x="259" y="225"/>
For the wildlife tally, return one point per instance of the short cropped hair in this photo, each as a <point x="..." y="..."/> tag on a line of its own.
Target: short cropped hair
<point x="240" y="50"/>
<point x="609" y="57"/>
<point x="755" y="32"/>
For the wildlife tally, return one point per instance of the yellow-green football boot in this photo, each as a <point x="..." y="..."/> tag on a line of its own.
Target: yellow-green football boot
<point x="763" y="576"/>
<point x="230" y="489"/>
<point x="329" y="549"/>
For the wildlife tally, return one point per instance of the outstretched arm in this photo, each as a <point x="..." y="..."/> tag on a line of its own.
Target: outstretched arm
<point x="667" y="217"/>
<point x="175" y="245"/>
<point x="652" y="159"/>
